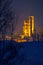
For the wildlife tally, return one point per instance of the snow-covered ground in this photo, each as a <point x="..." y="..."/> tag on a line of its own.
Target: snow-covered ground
<point x="12" y="53"/>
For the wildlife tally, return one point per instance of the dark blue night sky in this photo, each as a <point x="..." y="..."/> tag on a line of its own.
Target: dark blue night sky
<point x="25" y="8"/>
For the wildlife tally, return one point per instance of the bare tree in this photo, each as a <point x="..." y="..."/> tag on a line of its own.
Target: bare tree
<point x="7" y="15"/>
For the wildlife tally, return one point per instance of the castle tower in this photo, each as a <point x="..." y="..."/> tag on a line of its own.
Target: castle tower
<point x="29" y="27"/>
<point x="32" y="24"/>
<point x="26" y="28"/>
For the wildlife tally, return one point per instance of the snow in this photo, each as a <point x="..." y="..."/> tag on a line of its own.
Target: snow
<point x="28" y="53"/>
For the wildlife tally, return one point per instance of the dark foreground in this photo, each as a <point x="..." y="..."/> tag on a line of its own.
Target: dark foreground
<point x="12" y="53"/>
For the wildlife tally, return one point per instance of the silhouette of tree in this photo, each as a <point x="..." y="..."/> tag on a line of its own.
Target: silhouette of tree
<point x="7" y="15"/>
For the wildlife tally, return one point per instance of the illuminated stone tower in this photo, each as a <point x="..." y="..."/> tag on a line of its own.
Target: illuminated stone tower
<point x="29" y="27"/>
<point x="26" y="28"/>
<point x="32" y="24"/>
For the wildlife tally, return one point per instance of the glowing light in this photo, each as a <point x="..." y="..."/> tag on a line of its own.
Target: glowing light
<point x="20" y="40"/>
<point x="7" y="37"/>
<point x="28" y="28"/>
<point x="22" y="36"/>
<point x="32" y="24"/>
